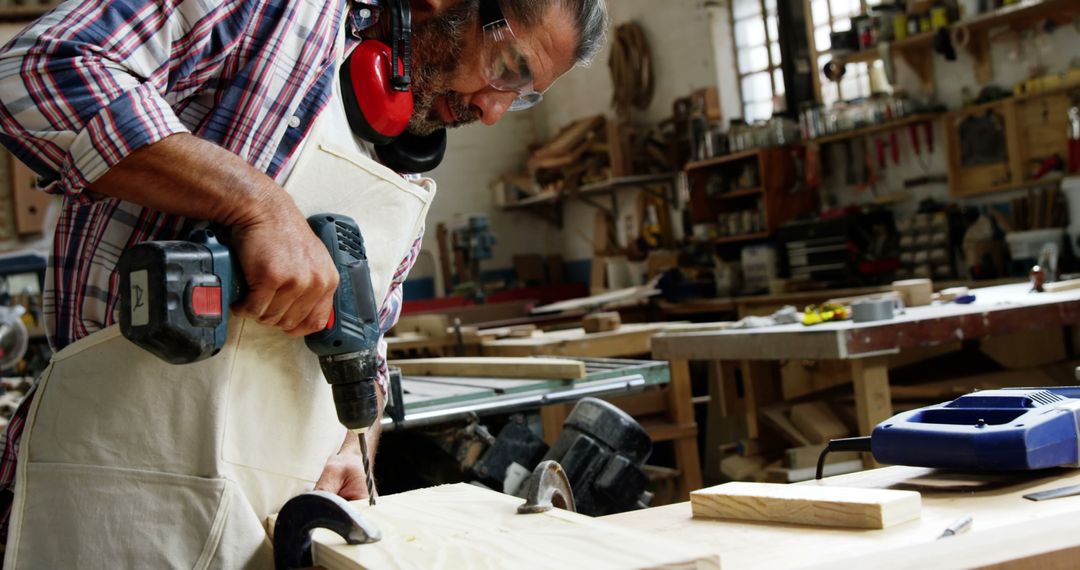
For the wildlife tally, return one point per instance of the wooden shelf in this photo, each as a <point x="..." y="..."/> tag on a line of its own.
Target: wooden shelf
<point x="626" y="181"/>
<point x="1017" y="14"/>
<point x="740" y="193"/>
<point x="743" y="237"/>
<point x="724" y="159"/>
<point x="594" y="188"/>
<point x="861" y="56"/>
<point x="918" y="41"/>
<point x="923" y="40"/>
<point x="545" y="198"/>
<point x="878" y="128"/>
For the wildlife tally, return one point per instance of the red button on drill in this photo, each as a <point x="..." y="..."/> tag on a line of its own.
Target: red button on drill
<point x="206" y="301"/>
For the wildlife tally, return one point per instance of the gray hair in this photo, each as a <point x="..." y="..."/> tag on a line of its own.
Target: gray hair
<point x="591" y="21"/>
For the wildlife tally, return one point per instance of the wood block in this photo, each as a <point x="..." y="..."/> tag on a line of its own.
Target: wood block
<point x="787" y="475"/>
<point x="463" y="526"/>
<point x="739" y="468"/>
<point x="807" y="456"/>
<point x="1066" y="285"/>
<point x="600" y="322"/>
<point x="817" y="422"/>
<point x="801" y="377"/>
<point x="431" y="325"/>
<point x="778" y="419"/>
<point x="597" y="281"/>
<point x="494" y="367"/>
<point x="660" y="261"/>
<point x="847" y="507"/>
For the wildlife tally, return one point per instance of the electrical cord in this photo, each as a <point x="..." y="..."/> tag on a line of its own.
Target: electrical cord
<point x="861" y="444"/>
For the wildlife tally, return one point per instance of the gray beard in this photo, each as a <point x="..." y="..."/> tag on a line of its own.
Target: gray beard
<point x="437" y="50"/>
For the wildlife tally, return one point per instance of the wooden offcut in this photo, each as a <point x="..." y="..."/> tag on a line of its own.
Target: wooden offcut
<point x="817" y="422"/>
<point x="847" y="507"/>
<point x="601" y="322"/>
<point x="494" y="367"/>
<point x="464" y="526"/>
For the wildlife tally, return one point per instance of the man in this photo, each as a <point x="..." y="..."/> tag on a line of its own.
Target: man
<point x="152" y="117"/>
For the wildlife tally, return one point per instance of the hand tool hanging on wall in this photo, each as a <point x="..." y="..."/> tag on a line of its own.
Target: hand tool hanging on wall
<point x="205" y="279"/>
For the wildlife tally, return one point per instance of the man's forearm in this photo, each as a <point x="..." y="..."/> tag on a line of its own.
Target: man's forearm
<point x="187" y="176"/>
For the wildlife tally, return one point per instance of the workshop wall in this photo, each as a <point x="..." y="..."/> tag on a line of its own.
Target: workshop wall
<point x="685" y="59"/>
<point x="1013" y="61"/>
<point x="476" y="156"/>
<point x="690" y="41"/>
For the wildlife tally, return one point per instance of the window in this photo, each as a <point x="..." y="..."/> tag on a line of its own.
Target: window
<point x="757" y="53"/>
<point x="835" y="16"/>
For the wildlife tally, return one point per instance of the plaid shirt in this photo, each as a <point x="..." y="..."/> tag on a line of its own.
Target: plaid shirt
<point x="94" y="80"/>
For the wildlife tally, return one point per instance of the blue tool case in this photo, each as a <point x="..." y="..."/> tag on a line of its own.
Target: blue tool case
<point x="997" y="430"/>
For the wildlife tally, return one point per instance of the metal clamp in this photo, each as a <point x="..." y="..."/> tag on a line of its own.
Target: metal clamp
<point x="548" y="488"/>
<point x="308" y="511"/>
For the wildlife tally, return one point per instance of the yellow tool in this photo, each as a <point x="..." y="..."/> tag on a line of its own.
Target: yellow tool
<point x="815" y="315"/>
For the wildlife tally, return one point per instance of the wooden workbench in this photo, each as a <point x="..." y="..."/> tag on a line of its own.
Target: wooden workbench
<point x="865" y="347"/>
<point x="1007" y="528"/>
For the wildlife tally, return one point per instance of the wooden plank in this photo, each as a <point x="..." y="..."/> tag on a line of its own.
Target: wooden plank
<point x="422" y="394"/>
<point x="431" y="325"/>
<point x="817" y="422"/>
<point x="681" y="409"/>
<point x="551" y="421"/>
<point x="997" y="310"/>
<point x="496" y="385"/>
<point x="777" y="418"/>
<point x="788" y="475"/>
<point x="503" y="367"/>
<point x="739" y="468"/>
<point x="601" y="322"/>
<point x="807" y="456"/>
<point x="873" y="402"/>
<point x="463" y="526"/>
<point x="628" y="340"/>
<point x="995" y="501"/>
<point x="848" y="507"/>
<point x="1051" y="542"/>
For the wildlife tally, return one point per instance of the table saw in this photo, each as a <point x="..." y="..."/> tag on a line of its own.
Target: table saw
<point x="430" y="400"/>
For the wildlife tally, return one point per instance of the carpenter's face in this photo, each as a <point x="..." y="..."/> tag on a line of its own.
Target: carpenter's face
<point x="450" y="85"/>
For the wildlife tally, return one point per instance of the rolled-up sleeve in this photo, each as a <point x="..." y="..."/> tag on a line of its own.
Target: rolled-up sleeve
<point x="87" y="84"/>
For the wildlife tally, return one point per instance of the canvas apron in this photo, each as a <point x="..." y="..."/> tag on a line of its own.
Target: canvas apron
<point x="130" y="462"/>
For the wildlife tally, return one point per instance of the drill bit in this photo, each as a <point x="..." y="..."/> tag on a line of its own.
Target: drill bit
<point x="367" y="470"/>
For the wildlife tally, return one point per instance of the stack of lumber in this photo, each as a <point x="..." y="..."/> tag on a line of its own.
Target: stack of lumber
<point x="803" y="429"/>
<point x="588" y="150"/>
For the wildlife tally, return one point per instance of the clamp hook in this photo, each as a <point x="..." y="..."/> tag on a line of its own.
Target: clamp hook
<point x="308" y="511"/>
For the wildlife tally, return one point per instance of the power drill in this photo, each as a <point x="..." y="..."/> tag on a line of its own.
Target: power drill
<point x="175" y="297"/>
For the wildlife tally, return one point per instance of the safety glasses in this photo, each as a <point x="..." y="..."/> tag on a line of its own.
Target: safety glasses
<point x="505" y="66"/>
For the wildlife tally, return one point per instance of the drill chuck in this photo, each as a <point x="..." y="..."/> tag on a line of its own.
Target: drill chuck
<point x="352" y="379"/>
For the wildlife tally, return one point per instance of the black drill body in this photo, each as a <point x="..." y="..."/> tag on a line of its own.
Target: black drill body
<point x="175" y="297"/>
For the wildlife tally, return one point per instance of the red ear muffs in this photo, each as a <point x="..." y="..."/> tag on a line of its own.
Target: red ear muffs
<point x="375" y="109"/>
